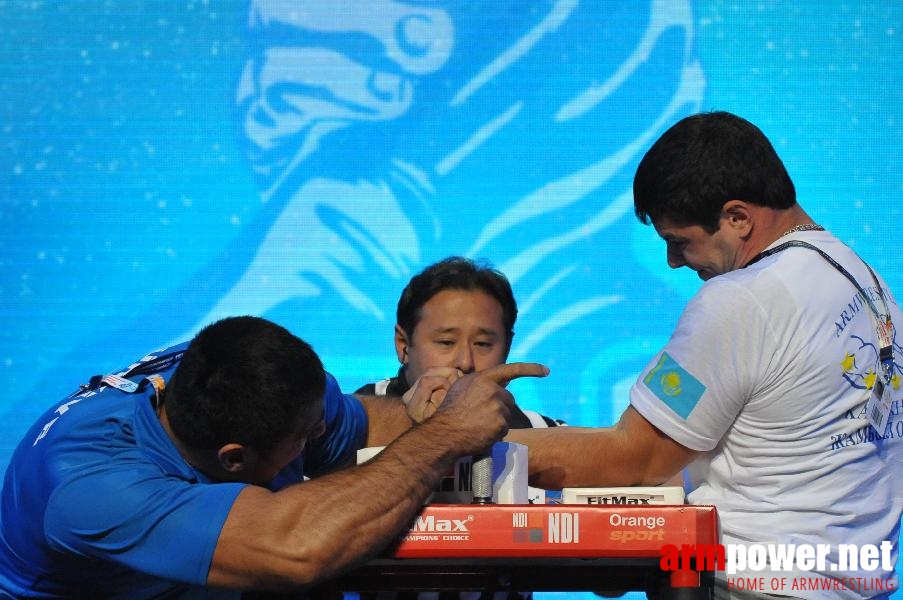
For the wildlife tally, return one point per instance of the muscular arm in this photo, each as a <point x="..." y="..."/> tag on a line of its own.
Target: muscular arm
<point x="311" y="531"/>
<point x="632" y="452"/>
<point x="308" y="532"/>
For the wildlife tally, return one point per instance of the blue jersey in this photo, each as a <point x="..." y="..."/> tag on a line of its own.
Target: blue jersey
<point x="97" y="502"/>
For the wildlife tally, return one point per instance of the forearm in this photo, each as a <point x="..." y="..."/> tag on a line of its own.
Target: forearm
<point x="633" y="452"/>
<point x="387" y="418"/>
<point x="575" y="457"/>
<point x="310" y="532"/>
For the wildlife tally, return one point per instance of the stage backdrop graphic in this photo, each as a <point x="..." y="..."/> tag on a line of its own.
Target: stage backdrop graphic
<point x="166" y="164"/>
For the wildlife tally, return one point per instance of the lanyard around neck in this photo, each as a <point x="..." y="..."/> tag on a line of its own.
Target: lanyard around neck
<point x="883" y="319"/>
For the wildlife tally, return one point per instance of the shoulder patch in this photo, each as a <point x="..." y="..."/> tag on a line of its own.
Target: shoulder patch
<point x="674" y="385"/>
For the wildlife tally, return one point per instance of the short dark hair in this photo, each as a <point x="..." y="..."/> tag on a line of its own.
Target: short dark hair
<point x="703" y="161"/>
<point x="455" y="273"/>
<point x="243" y="380"/>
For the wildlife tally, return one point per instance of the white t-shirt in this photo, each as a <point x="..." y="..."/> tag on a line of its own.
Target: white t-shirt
<point x="767" y="374"/>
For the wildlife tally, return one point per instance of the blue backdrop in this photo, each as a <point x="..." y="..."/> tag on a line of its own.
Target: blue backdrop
<point x="163" y="164"/>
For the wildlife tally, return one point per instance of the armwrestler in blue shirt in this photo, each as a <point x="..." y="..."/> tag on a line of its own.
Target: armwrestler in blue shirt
<point x="177" y="476"/>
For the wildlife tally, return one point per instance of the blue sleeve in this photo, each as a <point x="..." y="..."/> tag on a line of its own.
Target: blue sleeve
<point x="346" y="432"/>
<point x="145" y="521"/>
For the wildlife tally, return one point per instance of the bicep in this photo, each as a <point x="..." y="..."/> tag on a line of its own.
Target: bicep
<point x="246" y="554"/>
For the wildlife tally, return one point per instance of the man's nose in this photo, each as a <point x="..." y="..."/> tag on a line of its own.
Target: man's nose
<point x="464" y="359"/>
<point x="676" y="260"/>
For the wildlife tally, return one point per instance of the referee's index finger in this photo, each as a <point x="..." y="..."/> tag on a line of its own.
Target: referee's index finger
<point x="502" y="374"/>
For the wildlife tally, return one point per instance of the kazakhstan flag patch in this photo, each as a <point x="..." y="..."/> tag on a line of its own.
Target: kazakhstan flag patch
<point x="674" y="386"/>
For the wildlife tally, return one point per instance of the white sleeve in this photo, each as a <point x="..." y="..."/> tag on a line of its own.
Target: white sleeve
<point x="696" y="386"/>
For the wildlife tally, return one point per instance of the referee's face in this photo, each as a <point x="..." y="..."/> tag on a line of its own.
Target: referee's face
<point x="459" y="329"/>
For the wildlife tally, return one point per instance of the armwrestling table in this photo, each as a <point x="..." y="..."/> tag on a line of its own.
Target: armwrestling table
<point x="606" y="549"/>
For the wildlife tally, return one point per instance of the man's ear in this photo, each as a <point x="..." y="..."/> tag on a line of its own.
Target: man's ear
<point x="738" y="215"/>
<point x="235" y="458"/>
<point x="401" y="345"/>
